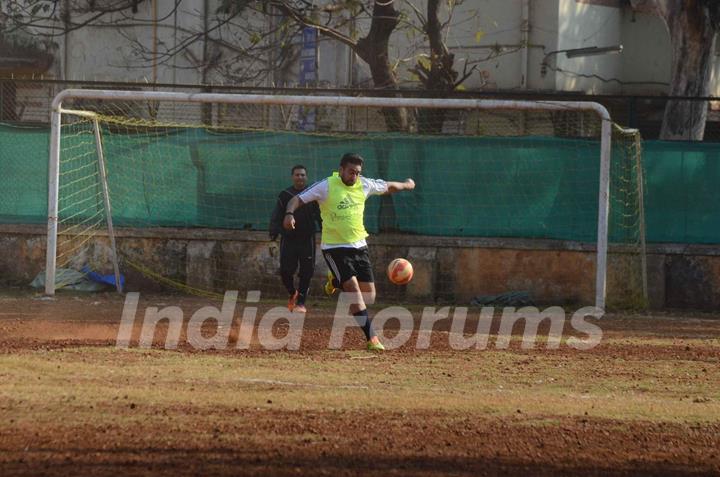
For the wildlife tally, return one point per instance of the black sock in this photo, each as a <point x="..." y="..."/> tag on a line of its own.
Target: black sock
<point x="362" y="319"/>
<point x="301" y="298"/>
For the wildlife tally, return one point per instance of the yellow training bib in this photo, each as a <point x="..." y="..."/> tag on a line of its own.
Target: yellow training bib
<point x="342" y="212"/>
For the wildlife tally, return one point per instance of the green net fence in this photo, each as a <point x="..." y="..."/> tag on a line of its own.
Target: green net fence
<point x="682" y="197"/>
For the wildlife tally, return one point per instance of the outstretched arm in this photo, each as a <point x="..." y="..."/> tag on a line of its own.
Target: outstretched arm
<point x="393" y="187"/>
<point x="315" y="193"/>
<point x="293" y="205"/>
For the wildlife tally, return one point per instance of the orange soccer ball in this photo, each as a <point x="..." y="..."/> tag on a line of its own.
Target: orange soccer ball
<point x="400" y="271"/>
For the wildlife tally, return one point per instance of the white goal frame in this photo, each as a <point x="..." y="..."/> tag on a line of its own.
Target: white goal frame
<point x="311" y="101"/>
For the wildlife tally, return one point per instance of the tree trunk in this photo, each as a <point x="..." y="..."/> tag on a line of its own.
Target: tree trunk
<point x="442" y="75"/>
<point x="373" y="50"/>
<point x="206" y="107"/>
<point x="692" y="26"/>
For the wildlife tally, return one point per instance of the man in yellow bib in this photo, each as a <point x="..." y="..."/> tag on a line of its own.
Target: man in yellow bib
<point x="342" y="205"/>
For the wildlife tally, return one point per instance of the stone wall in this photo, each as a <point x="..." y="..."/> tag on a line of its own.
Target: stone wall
<point x="447" y="270"/>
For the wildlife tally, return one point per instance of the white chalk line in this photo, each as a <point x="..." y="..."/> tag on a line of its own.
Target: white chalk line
<point x="311" y="385"/>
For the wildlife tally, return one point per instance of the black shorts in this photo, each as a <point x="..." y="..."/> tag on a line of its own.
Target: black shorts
<point x="346" y="263"/>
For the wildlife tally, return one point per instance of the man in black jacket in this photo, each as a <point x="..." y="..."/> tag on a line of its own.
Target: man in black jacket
<point x="297" y="246"/>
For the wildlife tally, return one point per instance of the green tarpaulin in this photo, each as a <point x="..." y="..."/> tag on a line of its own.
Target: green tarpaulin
<point x="485" y="187"/>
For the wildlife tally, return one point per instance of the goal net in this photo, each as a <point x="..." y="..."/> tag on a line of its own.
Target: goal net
<point x="627" y="269"/>
<point x="178" y="189"/>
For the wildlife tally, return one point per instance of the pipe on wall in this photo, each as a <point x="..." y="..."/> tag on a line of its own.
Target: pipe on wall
<point x="155" y="40"/>
<point x="524" y="40"/>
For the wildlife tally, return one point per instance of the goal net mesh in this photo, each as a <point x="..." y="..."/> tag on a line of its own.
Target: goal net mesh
<point x="192" y="187"/>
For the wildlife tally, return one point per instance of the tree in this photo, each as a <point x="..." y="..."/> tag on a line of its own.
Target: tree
<point x="436" y="74"/>
<point x="693" y="27"/>
<point x="235" y="51"/>
<point x="230" y="46"/>
<point x="373" y="48"/>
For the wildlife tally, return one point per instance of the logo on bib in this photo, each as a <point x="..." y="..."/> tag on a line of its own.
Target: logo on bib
<point x="347" y="203"/>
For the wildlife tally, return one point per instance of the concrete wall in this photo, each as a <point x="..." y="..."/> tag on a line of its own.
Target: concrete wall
<point x="108" y="53"/>
<point x="447" y="270"/>
<point x="646" y="55"/>
<point x="113" y="53"/>
<point x="484" y="33"/>
<point x="544" y="25"/>
<point x="582" y="25"/>
<point x="487" y="34"/>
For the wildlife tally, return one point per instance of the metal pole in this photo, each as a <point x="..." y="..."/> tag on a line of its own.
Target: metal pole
<point x="641" y="210"/>
<point x="603" y="211"/>
<point x="601" y="111"/>
<point x="336" y="101"/>
<point x="53" y="184"/>
<point x="106" y="200"/>
<point x="524" y="41"/>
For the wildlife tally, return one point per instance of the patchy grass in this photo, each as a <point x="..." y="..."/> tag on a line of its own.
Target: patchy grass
<point x="104" y="384"/>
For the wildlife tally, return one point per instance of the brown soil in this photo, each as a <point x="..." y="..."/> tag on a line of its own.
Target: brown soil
<point x="196" y="439"/>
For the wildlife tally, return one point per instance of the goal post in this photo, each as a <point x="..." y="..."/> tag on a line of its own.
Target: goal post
<point x="627" y="191"/>
<point x="94" y="110"/>
<point x="53" y="199"/>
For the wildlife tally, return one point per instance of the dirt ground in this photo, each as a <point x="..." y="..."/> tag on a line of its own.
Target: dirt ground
<point x="645" y="401"/>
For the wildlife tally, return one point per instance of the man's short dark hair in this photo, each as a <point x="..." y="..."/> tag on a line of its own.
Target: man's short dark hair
<point x="295" y="168"/>
<point x="351" y="158"/>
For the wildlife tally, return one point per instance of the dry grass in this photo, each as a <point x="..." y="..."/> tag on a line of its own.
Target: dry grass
<point x="99" y="384"/>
